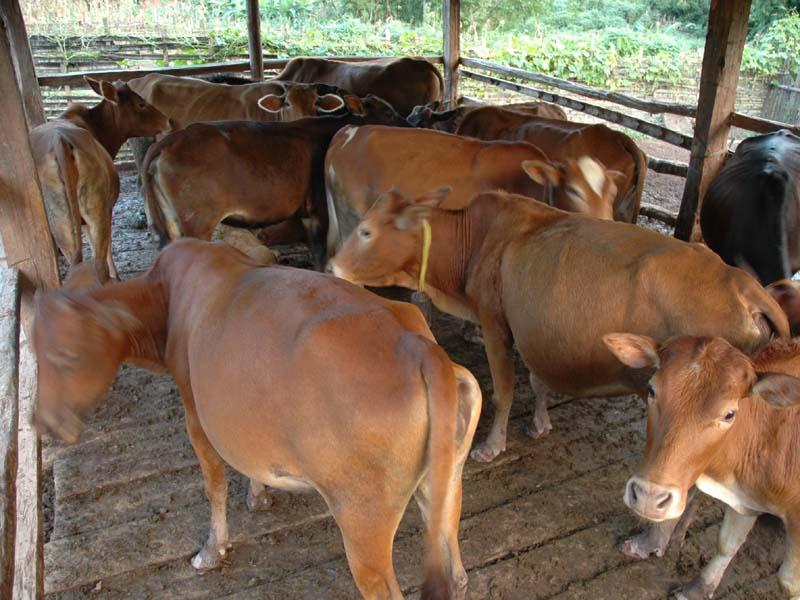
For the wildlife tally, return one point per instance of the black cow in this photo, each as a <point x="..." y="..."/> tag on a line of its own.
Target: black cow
<point x="750" y="215"/>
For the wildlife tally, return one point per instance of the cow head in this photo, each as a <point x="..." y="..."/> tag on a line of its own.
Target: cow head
<point x="696" y="391"/>
<point x="79" y="344"/>
<point x="130" y="114"/>
<point x="582" y="186"/>
<point x="385" y="248"/>
<point x="300" y="100"/>
<point x="376" y="110"/>
<point x="424" y="115"/>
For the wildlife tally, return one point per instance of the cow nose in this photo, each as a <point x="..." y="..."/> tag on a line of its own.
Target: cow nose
<point x="651" y="500"/>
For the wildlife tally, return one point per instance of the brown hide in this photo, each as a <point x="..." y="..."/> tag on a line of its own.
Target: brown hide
<point x="554" y="283"/>
<point x="727" y="424"/>
<point x="74" y="161"/>
<point x="296" y="379"/>
<point x="426" y="116"/>
<point x="562" y="140"/>
<point x="364" y="162"/>
<point x="403" y="82"/>
<point x="248" y="171"/>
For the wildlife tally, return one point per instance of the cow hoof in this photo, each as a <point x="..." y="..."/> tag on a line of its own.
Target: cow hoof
<point x="461" y="587"/>
<point x="208" y="560"/>
<point x="538" y="429"/>
<point x="259" y="502"/>
<point x="644" y="546"/>
<point x="485" y="452"/>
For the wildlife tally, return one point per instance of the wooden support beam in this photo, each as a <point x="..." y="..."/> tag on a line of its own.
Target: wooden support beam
<point x="451" y="20"/>
<point x="659" y="214"/>
<point x="23" y="61"/>
<point x="76" y="77"/>
<point x="650" y="106"/>
<point x="29" y="564"/>
<point x="23" y="223"/>
<point x="9" y="422"/>
<point x="662" y="133"/>
<point x="667" y="167"/>
<point x="722" y="59"/>
<point x="256" y="53"/>
<point x="760" y="125"/>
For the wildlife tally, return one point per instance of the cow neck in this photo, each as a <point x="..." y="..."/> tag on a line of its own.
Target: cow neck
<point x="145" y="299"/>
<point x="101" y="121"/>
<point x="450" y="249"/>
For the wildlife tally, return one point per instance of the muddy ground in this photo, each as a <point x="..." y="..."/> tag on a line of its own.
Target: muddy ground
<point x="544" y="520"/>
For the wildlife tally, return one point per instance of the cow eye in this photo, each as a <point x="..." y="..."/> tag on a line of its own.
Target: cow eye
<point x="729" y="416"/>
<point x="651" y="392"/>
<point x="364" y="233"/>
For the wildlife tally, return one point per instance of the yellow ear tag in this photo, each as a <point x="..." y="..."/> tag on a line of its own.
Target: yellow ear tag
<point x="426" y="252"/>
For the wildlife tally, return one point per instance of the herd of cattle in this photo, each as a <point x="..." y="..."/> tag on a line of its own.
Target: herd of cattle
<point x="510" y="217"/>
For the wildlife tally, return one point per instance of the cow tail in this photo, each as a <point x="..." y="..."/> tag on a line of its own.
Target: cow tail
<point x="442" y="396"/>
<point x="155" y="200"/>
<point x="68" y="173"/>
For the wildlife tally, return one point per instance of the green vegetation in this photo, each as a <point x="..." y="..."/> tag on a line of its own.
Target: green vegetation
<point x="610" y="43"/>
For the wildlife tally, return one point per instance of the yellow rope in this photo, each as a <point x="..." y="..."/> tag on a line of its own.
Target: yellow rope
<point x="426" y="253"/>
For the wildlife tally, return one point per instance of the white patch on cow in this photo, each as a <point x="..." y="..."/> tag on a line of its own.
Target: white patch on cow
<point x="593" y="173"/>
<point x="334" y="234"/>
<point x="731" y="494"/>
<point x="349" y="132"/>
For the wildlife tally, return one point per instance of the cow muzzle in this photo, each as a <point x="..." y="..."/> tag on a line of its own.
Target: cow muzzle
<point x="64" y="424"/>
<point x="653" y="501"/>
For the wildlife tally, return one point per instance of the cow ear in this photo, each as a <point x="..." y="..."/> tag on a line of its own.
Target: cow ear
<point x="354" y="105"/>
<point x="329" y="103"/>
<point x="617" y="177"/>
<point x="105" y="89"/>
<point x="635" y="351"/>
<point x="778" y="389"/>
<point x="542" y="173"/>
<point x="412" y="215"/>
<point x="271" y="103"/>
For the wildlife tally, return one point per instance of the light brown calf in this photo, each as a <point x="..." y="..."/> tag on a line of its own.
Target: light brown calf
<point x="364" y="162"/>
<point x="553" y="283"/>
<point x="74" y="160"/>
<point x="294" y="378"/>
<point x="563" y="140"/>
<point x="729" y="425"/>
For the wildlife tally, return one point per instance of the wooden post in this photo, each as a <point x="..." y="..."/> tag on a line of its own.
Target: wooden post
<point x="23" y="222"/>
<point x="727" y="29"/>
<point x="451" y="20"/>
<point x="23" y="61"/>
<point x="254" y="38"/>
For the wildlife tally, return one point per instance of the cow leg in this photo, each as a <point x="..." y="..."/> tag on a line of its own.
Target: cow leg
<point x="497" y="339"/>
<point x="258" y="499"/>
<point x="541" y="425"/>
<point x="213" y="469"/>
<point x="368" y="526"/>
<point x="732" y="534"/>
<point x="100" y="240"/>
<point x="656" y="537"/>
<point x="789" y="574"/>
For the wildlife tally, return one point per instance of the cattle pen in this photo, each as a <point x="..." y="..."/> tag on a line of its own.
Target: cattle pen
<point x="542" y="521"/>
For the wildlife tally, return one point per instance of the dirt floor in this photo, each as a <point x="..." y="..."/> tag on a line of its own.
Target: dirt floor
<point x="544" y="520"/>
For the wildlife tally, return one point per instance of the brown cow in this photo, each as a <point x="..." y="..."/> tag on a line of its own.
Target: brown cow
<point x="74" y="160"/>
<point x="380" y="417"/>
<point x="402" y="82"/>
<point x="364" y="162"/>
<point x="426" y="116"/>
<point x="562" y="140"/>
<point x="253" y="172"/>
<point x="729" y="425"/>
<point x="787" y="294"/>
<point x="552" y="283"/>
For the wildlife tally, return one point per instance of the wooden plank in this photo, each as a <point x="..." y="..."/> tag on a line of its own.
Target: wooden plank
<point x="29" y="565"/>
<point x="76" y="77"/>
<point x="658" y="213"/>
<point x="9" y="417"/>
<point x="662" y="133"/>
<point x="23" y="61"/>
<point x="668" y="167"/>
<point x="759" y="124"/>
<point x="23" y="223"/>
<point x="649" y="106"/>
<point x="254" y="41"/>
<point x="451" y="20"/>
<point x="722" y="59"/>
